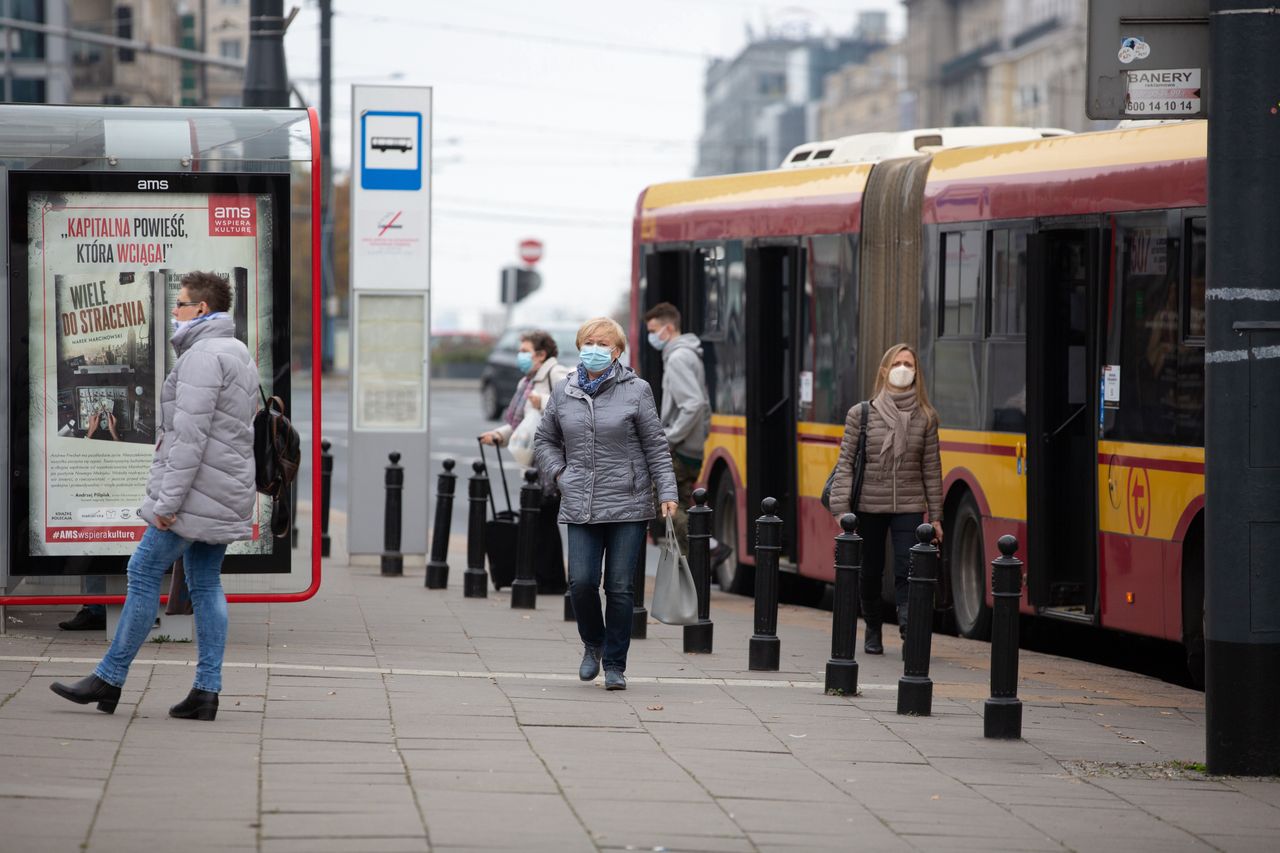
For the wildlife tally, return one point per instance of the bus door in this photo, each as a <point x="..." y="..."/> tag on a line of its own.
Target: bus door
<point x="1062" y="344"/>
<point x="666" y="279"/>
<point x="773" y="288"/>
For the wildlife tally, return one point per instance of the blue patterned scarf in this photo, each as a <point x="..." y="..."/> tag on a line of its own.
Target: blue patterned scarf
<point x="591" y="386"/>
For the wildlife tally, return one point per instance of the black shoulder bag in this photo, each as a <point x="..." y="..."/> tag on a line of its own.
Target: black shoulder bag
<point x="859" y="464"/>
<point x="277" y="453"/>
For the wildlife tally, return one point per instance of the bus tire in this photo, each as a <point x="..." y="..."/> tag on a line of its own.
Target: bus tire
<point x="730" y="574"/>
<point x="967" y="561"/>
<point x="1193" y="601"/>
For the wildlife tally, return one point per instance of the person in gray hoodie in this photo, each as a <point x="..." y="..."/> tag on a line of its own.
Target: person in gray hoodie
<point x="600" y="440"/>
<point x="200" y="496"/>
<point x="686" y="411"/>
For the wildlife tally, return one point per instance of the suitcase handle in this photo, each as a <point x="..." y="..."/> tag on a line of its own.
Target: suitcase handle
<point x="497" y="451"/>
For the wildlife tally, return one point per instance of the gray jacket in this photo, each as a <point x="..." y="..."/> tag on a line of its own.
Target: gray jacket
<point x="609" y="448"/>
<point x="203" y="471"/>
<point x="686" y="411"/>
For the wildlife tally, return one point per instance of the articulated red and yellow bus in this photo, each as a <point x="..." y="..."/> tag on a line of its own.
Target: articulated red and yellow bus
<point x="1055" y="290"/>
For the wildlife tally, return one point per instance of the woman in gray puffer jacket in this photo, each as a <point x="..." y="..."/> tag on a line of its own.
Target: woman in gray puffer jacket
<point x="902" y="478"/>
<point x="601" y="441"/>
<point x="200" y="495"/>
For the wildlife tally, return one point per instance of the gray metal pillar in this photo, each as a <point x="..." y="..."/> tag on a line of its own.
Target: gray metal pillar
<point x="1242" y="381"/>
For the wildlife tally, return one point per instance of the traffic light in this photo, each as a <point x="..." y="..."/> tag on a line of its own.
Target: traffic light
<point x="517" y="283"/>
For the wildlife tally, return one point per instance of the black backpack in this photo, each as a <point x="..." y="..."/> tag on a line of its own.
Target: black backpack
<point x="277" y="453"/>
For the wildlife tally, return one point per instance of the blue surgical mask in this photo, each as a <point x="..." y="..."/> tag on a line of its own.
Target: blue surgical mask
<point x="524" y="361"/>
<point x="595" y="358"/>
<point x="656" y="342"/>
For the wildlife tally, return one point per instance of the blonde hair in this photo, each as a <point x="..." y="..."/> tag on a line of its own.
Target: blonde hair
<point x="882" y="378"/>
<point x="606" y="326"/>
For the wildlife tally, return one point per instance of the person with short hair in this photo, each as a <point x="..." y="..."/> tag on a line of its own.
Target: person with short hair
<point x="601" y="441"/>
<point x="902" y="478"/>
<point x="537" y="358"/>
<point x="200" y="496"/>
<point x="685" y="414"/>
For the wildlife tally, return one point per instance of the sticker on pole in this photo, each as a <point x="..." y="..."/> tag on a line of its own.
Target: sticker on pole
<point x="1134" y="47"/>
<point x="1170" y="91"/>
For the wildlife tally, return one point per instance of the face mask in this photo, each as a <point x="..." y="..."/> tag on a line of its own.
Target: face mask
<point x="179" y="325"/>
<point x="656" y="342"/>
<point x="902" y="376"/>
<point x="595" y="358"/>
<point x="524" y="361"/>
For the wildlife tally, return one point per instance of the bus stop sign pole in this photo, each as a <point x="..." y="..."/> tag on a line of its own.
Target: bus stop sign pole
<point x="1242" y="383"/>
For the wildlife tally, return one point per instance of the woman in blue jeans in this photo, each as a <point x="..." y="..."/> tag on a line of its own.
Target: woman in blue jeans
<point x="200" y="496"/>
<point x="601" y="441"/>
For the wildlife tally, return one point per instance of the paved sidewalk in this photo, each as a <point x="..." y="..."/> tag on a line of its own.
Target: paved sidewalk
<point x="382" y="716"/>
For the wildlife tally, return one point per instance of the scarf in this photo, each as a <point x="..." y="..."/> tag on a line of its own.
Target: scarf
<point x="896" y="409"/>
<point x="515" y="409"/>
<point x="591" y="386"/>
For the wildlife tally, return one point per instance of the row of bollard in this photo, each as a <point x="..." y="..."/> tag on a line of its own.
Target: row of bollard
<point x="1002" y="717"/>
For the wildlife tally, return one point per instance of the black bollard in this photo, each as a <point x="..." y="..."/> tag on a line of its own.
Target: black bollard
<point x="915" y="689"/>
<point x="842" y="669"/>
<point x="326" y="481"/>
<point x="639" y="615"/>
<point x="697" y="637"/>
<point x="1002" y="715"/>
<point x="392" y="559"/>
<point x="524" y="589"/>
<point x="766" y="649"/>
<point x="474" y="579"/>
<point x="438" y="565"/>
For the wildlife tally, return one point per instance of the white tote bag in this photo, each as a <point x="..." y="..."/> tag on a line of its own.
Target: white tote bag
<point x="675" y="598"/>
<point x="521" y="442"/>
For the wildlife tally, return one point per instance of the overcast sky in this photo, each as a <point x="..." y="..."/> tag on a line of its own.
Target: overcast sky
<point x="550" y="118"/>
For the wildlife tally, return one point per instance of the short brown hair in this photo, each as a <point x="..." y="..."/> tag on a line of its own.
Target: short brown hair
<point x="209" y="288"/>
<point x="665" y="312"/>
<point x="541" y="342"/>
<point x="603" y="325"/>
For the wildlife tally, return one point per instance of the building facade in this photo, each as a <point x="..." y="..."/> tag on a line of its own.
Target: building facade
<point x="867" y="96"/>
<point x="767" y="99"/>
<point x="113" y="75"/>
<point x="998" y="62"/>
<point x="36" y="68"/>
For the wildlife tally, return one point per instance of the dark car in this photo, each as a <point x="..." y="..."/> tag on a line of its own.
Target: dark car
<point x="500" y="377"/>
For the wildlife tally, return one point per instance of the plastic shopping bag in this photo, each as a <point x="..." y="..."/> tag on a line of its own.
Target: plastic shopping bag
<point x="521" y="442"/>
<point x="675" y="598"/>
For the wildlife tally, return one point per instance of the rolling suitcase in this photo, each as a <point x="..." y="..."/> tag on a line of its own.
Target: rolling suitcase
<point x="500" y="531"/>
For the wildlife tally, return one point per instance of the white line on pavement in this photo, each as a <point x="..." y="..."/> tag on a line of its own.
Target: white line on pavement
<point x="454" y="673"/>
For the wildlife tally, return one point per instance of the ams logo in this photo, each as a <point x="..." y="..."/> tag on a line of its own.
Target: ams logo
<point x="232" y="216"/>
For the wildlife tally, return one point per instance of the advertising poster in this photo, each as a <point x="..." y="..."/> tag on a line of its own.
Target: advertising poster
<point x="103" y="270"/>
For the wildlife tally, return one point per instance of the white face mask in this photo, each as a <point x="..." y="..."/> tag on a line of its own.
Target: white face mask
<point x="902" y="376"/>
<point x="179" y="325"/>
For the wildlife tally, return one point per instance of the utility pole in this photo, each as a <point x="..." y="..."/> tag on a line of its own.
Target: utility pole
<point x="266" y="82"/>
<point x="328" y="287"/>
<point x="1242" y="378"/>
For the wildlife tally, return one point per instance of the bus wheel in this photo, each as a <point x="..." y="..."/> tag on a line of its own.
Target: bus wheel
<point x="730" y="574"/>
<point x="968" y="563"/>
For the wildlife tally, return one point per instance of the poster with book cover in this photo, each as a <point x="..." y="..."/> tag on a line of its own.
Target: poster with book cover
<point x="103" y="270"/>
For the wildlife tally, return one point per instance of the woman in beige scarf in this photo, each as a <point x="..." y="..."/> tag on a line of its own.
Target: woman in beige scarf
<point x="902" y="479"/>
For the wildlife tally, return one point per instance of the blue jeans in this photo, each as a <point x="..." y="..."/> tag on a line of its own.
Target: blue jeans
<point x="617" y="545"/>
<point x="203" y="565"/>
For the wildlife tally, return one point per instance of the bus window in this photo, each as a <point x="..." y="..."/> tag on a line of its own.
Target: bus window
<point x="828" y="330"/>
<point x="957" y="355"/>
<point x="1190" y="413"/>
<point x="1007" y="252"/>
<point x="1143" y="332"/>
<point x="1193" y="301"/>
<point x="714" y="284"/>
<point x="961" y="268"/>
<point x="1006" y="372"/>
<point x="723" y="356"/>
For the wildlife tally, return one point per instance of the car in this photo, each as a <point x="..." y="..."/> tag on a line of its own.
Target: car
<point x="500" y="377"/>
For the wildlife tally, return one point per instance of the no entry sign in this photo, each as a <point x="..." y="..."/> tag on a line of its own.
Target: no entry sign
<point x="530" y="251"/>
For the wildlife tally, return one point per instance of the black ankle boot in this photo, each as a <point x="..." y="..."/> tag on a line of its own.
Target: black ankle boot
<point x="91" y="689"/>
<point x="199" y="705"/>
<point x="872" y="643"/>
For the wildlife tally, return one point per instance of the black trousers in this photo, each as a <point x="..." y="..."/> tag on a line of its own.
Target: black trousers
<point x="874" y="528"/>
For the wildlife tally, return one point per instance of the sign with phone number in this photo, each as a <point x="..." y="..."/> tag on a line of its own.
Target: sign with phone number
<point x="1174" y="91"/>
